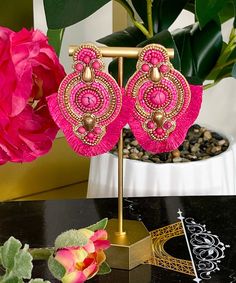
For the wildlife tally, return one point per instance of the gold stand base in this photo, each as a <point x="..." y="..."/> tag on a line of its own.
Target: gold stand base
<point x="131" y="248"/>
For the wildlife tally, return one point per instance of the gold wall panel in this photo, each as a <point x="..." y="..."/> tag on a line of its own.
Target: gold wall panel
<point x="60" y="167"/>
<point x="120" y="17"/>
<point x="16" y="14"/>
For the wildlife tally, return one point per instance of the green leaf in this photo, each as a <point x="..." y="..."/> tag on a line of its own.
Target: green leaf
<point x="207" y="10"/>
<point x="225" y="72"/>
<point x="198" y="49"/>
<point x="165" y="12"/>
<point x="23" y="264"/>
<point x="63" y="13"/>
<point x="11" y="279"/>
<point x="227" y="12"/>
<point x="141" y="8"/>
<point x="71" y="238"/>
<point x="129" y="37"/>
<point x="104" y="268"/>
<point x="8" y="252"/>
<point x="190" y="6"/>
<point x="57" y="270"/>
<point x="100" y="225"/>
<point x="0" y="256"/>
<point x="233" y="73"/>
<point x="38" y="280"/>
<point x="55" y="37"/>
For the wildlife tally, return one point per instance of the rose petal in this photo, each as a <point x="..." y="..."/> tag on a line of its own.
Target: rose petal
<point x="99" y="235"/>
<point x="74" y="277"/>
<point x="66" y="258"/>
<point x="79" y="254"/>
<point x="91" y="270"/>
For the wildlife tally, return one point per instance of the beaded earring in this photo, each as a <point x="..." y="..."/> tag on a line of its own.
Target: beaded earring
<point x="165" y="105"/>
<point x="88" y="105"/>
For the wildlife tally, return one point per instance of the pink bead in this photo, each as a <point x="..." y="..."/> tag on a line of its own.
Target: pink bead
<point x="154" y="61"/>
<point x="88" y="100"/>
<point x="164" y="68"/>
<point x="167" y="125"/>
<point x="79" y="67"/>
<point x="96" y="65"/>
<point x="90" y="136"/>
<point x="145" y="67"/>
<point x="158" y="98"/>
<point x="159" y="131"/>
<point x="150" y="125"/>
<point x="81" y="130"/>
<point x="86" y="59"/>
<point x="97" y="130"/>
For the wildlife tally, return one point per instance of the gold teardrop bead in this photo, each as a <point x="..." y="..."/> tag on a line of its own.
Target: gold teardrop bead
<point x="155" y="75"/>
<point x="158" y="118"/>
<point x="87" y="75"/>
<point x="89" y="122"/>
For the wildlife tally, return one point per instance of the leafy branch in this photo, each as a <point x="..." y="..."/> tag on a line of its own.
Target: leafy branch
<point x="148" y="33"/>
<point x="16" y="263"/>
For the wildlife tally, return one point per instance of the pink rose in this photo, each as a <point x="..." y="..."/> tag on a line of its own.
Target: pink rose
<point x="29" y="71"/>
<point x="82" y="263"/>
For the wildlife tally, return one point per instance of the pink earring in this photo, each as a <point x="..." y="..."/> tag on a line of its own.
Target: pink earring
<point x="88" y="106"/>
<point x="165" y="105"/>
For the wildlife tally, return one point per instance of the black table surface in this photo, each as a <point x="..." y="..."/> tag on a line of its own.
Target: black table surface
<point x="39" y="222"/>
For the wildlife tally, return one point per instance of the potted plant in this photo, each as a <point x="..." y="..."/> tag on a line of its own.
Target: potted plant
<point x="202" y="57"/>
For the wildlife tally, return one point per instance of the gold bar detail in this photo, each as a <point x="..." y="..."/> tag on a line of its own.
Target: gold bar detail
<point x="127" y="52"/>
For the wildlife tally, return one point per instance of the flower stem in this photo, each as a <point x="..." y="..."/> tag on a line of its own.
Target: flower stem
<point x="149" y="17"/>
<point x="41" y="253"/>
<point x="136" y="23"/>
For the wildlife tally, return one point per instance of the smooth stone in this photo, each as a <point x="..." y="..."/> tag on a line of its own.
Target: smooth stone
<point x="134" y="150"/>
<point x="156" y="160"/>
<point x="186" y="145"/>
<point x="177" y="159"/>
<point x="134" y="156"/>
<point x="175" y="153"/>
<point x="221" y="142"/>
<point x="185" y="160"/>
<point x="193" y="141"/>
<point x="195" y="148"/>
<point x="207" y="135"/>
<point x="196" y="127"/>
<point x="192" y="157"/>
<point x="216" y="136"/>
<point x="145" y="157"/>
<point x="140" y="154"/>
<point x="163" y="156"/>
<point x="135" y="143"/>
<point x="216" y="149"/>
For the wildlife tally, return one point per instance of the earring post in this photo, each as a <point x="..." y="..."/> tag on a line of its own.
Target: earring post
<point x="120" y="231"/>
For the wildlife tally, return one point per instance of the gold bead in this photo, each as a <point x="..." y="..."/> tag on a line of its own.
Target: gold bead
<point x="155" y="75"/>
<point x="89" y="122"/>
<point x="158" y="118"/>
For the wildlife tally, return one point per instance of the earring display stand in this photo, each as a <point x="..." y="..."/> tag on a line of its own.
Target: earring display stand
<point x="130" y="240"/>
